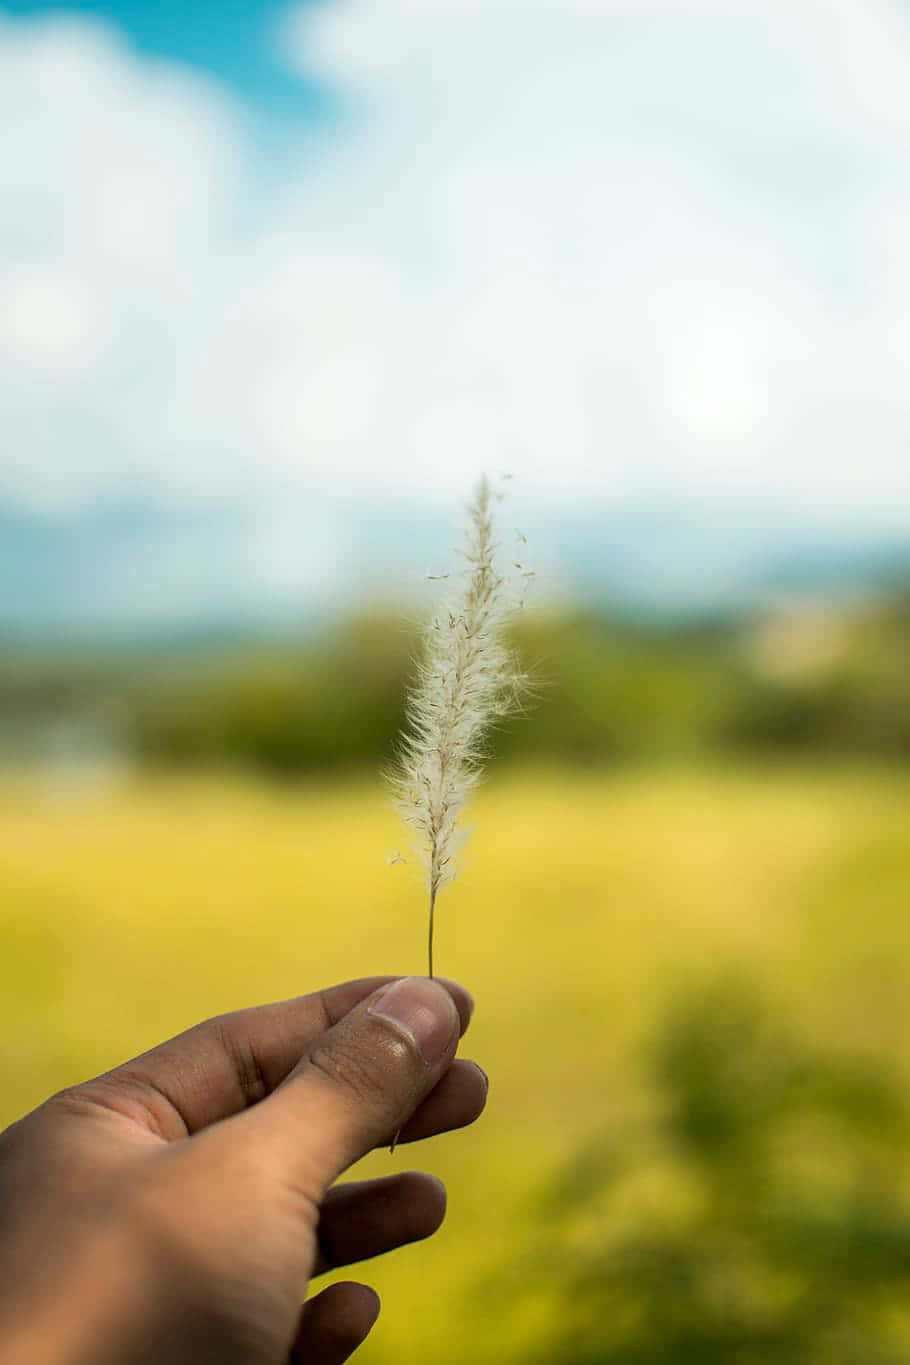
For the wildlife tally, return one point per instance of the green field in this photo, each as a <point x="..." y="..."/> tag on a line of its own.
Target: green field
<point x="130" y="912"/>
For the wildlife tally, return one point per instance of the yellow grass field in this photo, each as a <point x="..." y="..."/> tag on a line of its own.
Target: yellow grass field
<point x="128" y="913"/>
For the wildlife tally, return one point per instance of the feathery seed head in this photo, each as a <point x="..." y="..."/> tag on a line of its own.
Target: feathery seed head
<point x="467" y="680"/>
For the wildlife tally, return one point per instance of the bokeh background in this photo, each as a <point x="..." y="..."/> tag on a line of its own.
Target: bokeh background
<point x="278" y="282"/>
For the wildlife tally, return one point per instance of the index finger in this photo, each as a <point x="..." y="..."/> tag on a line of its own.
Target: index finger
<point x="229" y="1062"/>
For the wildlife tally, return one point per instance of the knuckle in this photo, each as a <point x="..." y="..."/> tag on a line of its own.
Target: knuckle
<point x="243" y="1060"/>
<point x="73" y="1100"/>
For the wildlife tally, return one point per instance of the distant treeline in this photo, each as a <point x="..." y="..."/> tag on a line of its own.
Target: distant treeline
<point x="819" y="679"/>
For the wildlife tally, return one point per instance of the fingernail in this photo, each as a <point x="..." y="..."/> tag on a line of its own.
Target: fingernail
<point x="420" y="1010"/>
<point x="484" y="1077"/>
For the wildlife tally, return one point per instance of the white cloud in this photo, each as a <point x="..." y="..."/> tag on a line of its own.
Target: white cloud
<point x="613" y="247"/>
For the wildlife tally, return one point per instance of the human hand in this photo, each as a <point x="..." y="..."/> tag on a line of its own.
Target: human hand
<point x="173" y="1210"/>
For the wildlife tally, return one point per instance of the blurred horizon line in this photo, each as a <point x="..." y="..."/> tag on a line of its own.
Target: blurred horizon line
<point x="142" y="567"/>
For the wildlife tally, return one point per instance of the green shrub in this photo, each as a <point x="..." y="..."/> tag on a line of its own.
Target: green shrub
<point x="760" y="1217"/>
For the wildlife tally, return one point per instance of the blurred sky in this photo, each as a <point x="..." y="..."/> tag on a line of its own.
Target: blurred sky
<point x="277" y="282"/>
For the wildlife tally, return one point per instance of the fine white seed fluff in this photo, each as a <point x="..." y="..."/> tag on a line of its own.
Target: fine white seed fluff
<point x="467" y="680"/>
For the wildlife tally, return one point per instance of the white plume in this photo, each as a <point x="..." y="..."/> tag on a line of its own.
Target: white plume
<point x="467" y="680"/>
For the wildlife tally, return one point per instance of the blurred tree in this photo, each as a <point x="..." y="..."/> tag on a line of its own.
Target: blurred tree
<point x="761" y="1217"/>
<point x="327" y="704"/>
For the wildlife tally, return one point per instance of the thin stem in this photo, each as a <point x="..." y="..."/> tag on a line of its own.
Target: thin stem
<point x="397" y="1133"/>
<point x="430" y="934"/>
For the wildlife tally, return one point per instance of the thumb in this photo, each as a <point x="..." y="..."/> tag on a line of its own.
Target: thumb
<point x="359" y="1082"/>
